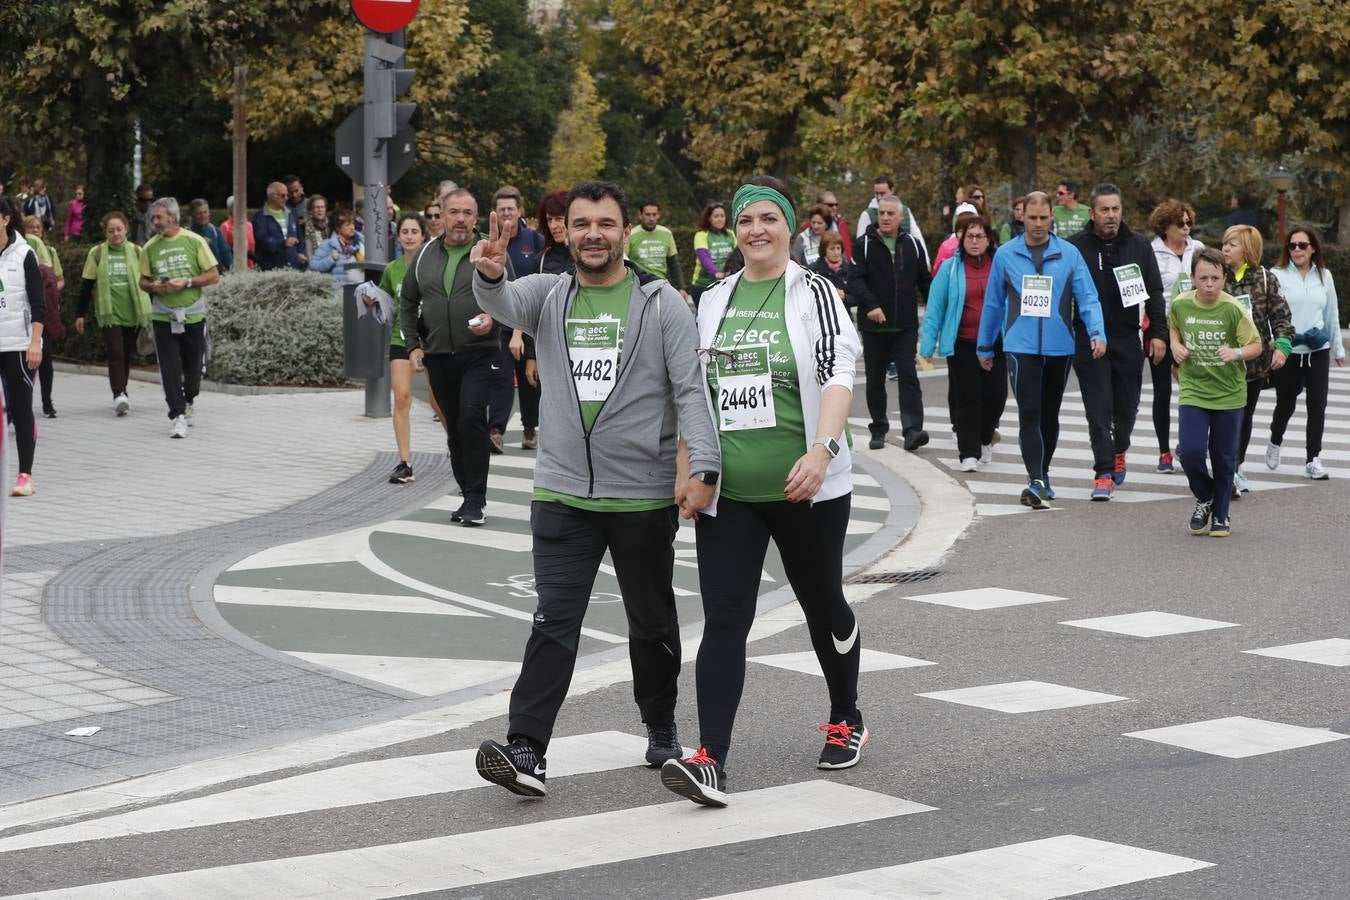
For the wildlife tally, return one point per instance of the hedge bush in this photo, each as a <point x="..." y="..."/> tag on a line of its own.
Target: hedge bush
<point x="276" y="328"/>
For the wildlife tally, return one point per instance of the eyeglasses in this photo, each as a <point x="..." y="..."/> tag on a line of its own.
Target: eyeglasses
<point x="712" y="354"/>
<point x="977" y="196"/>
<point x="433" y="215"/>
<point x="1299" y="245"/>
<point x="829" y="204"/>
<point x="1184" y="223"/>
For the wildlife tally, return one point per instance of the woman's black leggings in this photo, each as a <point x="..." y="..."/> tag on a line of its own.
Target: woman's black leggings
<point x="1162" y="400"/>
<point x="731" y="549"/>
<point x="18" y="383"/>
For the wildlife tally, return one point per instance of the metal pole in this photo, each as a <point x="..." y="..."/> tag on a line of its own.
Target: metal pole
<point x="1281" y="217"/>
<point x="240" y="210"/>
<point x="377" y="219"/>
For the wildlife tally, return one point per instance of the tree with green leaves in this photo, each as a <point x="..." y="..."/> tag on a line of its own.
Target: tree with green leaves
<point x="578" y="151"/>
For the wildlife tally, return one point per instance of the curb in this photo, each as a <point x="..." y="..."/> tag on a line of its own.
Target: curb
<point x="151" y="376"/>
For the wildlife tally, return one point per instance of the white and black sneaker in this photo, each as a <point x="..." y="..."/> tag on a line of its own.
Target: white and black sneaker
<point x="515" y="766"/>
<point x="1200" y="519"/>
<point x="402" y="474"/>
<point x="698" y="778"/>
<point x="843" y="745"/>
<point x="121" y="404"/>
<point x="471" y="514"/>
<point x="662" y="744"/>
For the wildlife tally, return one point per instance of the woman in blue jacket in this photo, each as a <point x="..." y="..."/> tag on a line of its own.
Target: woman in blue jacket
<point x="340" y="248"/>
<point x="951" y="325"/>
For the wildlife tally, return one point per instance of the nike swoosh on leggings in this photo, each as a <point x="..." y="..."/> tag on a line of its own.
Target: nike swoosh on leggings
<point x="844" y="646"/>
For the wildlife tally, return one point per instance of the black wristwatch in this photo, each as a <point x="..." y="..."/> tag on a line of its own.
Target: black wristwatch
<point x="830" y="444"/>
<point x="708" y="478"/>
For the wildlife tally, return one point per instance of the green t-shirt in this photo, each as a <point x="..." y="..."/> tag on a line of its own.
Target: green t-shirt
<point x="457" y="254"/>
<point x="1069" y="222"/>
<point x="649" y="249"/>
<point x="391" y="282"/>
<point x="185" y="255"/>
<point x="595" y="330"/>
<point x="281" y="215"/>
<point x="1206" y="380"/>
<point x="889" y="241"/>
<point x="719" y="246"/>
<point x="121" y="291"/>
<point x="760" y="441"/>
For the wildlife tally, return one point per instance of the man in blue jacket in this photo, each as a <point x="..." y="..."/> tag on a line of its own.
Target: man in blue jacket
<point x="1036" y="282"/>
<point x="274" y="235"/>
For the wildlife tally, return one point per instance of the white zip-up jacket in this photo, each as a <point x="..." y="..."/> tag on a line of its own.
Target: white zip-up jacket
<point x="1171" y="266"/>
<point x="21" y="299"/>
<point x="826" y="347"/>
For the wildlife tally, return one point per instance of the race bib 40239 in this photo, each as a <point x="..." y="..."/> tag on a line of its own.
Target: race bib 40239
<point x="1037" y="291"/>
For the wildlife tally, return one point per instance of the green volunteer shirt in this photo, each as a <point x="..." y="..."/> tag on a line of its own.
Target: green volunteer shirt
<point x="1069" y="222"/>
<point x="595" y="329"/>
<point x="185" y="255"/>
<point x="281" y="215"/>
<point x="1206" y="380"/>
<point x="391" y="282"/>
<point x="121" y="291"/>
<point x="719" y="246"/>
<point x="756" y="460"/>
<point x="457" y="255"/>
<point x="649" y="249"/>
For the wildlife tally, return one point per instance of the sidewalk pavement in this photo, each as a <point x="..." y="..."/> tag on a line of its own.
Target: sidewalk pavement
<point x="95" y="627"/>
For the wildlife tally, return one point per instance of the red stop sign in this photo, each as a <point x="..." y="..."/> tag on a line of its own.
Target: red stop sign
<point x="385" y="16"/>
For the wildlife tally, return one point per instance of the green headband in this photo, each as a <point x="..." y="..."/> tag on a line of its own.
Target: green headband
<point x="753" y="193"/>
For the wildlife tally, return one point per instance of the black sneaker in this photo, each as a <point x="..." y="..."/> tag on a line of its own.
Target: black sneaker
<point x="662" y="744"/>
<point x="698" y="778"/>
<point x="402" y="474"/>
<point x="915" y="439"/>
<point x="877" y="442"/>
<point x="471" y="514"/>
<point x="49" y="412"/>
<point x="516" y="767"/>
<point x="458" y="515"/>
<point x="495" y="442"/>
<point x="843" y="745"/>
<point x="1200" y="518"/>
<point x="1221" y="528"/>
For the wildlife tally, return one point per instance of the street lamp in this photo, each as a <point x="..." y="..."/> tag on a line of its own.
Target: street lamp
<point x="1282" y="180"/>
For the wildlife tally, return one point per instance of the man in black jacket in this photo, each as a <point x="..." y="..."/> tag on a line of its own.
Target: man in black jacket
<point x="891" y="267"/>
<point x="273" y="232"/>
<point x="1129" y="285"/>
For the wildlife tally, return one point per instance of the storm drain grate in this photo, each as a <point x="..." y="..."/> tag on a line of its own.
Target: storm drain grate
<point x="912" y="577"/>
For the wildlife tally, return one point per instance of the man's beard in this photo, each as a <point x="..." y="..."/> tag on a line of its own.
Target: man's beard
<point x="610" y="256"/>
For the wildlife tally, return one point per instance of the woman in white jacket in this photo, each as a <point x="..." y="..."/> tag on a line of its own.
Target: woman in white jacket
<point x="779" y="360"/>
<point x="1171" y="222"/>
<point x="1311" y="293"/>
<point x="22" y="305"/>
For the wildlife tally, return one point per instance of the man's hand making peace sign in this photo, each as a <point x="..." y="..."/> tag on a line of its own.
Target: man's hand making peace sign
<point x="489" y="255"/>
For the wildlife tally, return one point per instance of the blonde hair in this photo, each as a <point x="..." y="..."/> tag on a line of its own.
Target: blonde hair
<point x="1247" y="238"/>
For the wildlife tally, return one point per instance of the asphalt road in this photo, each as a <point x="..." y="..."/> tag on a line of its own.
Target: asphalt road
<point x="1092" y="808"/>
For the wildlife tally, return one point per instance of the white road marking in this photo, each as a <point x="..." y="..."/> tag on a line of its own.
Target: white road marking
<point x="1033" y="870"/>
<point x="336" y="600"/>
<point x="868" y="661"/>
<point x="485" y="536"/>
<point x="983" y="598"/>
<point x="1022" y="696"/>
<point x="1150" y="624"/>
<point x="1327" y="652"/>
<point x="375" y="781"/>
<point x="1237" y="737"/>
<point x="521" y="851"/>
<point x="428" y="676"/>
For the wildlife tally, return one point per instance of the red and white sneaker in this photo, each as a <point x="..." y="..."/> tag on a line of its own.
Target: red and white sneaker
<point x="843" y="745"/>
<point x="23" y="486"/>
<point x="698" y="778"/>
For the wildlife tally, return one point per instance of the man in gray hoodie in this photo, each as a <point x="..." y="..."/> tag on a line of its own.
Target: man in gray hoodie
<point x="622" y="386"/>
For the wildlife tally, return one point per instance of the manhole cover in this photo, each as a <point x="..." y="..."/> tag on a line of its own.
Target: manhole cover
<point x="912" y="577"/>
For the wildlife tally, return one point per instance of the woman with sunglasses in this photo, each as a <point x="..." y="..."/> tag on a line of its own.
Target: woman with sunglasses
<point x="1258" y="291"/>
<point x="1311" y="293"/>
<point x="1173" y="247"/>
<point x="779" y="364"/>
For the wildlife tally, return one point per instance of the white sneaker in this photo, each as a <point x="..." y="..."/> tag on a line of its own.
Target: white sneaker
<point x="179" y="428"/>
<point x="121" y="404"/>
<point x="987" y="454"/>
<point x="970" y="464"/>
<point x="1272" y="456"/>
<point x="188" y="415"/>
<point x="1315" y="471"/>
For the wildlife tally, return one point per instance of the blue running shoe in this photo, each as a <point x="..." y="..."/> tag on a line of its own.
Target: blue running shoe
<point x="1036" y="494"/>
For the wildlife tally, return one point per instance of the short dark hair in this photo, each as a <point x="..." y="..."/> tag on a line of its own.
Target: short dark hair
<point x="11" y="209"/>
<point x="1210" y="255"/>
<point x="886" y="180"/>
<point x="646" y="202"/>
<point x="289" y="180"/>
<point x="416" y="217"/>
<point x="1104" y="189"/>
<point x="1070" y="185"/>
<point x="595" y="191"/>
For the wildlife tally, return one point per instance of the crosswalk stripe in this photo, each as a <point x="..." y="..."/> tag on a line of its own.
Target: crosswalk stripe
<point x="1008" y="509"/>
<point x="1058" y="474"/>
<point x="486" y="536"/>
<point x="374" y="781"/>
<point x="495" y="509"/>
<point x="520" y="851"/>
<point x="1032" y="870"/>
<point x="1012" y="488"/>
<point x="332" y="548"/>
<point x="239" y="595"/>
<point x="1072" y="420"/>
<point x="426" y="676"/>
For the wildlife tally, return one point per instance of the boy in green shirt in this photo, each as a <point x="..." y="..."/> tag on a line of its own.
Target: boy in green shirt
<point x="1212" y="338"/>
